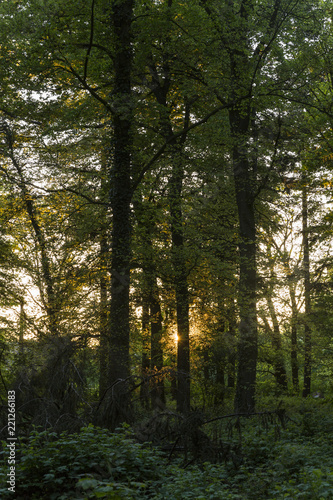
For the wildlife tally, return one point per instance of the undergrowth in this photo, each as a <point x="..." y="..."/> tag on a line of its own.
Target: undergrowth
<point x="294" y="463"/>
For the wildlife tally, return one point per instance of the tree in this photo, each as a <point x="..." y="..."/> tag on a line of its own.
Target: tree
<point x="307" y="296"/>
<point x="256" y="71"/>
<point x="120" y="199"/>
<point x="147" y="146"/>
<point x="278" y="357"/>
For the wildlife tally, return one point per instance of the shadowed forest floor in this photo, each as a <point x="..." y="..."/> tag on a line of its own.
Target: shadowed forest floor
<point x="286" y="454"/>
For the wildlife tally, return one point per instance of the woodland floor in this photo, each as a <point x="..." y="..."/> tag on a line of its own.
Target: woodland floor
<point x="287" y="454"/>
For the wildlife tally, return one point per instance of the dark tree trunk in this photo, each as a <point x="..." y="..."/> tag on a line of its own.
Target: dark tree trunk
<point x="307" y="297"/>
<point x="206" y="365"/>
<point x="278" y="358"/>
<point x="177" y="236"/>
<point x="120" y="198"/>
<point x="294" y="360"/>
<point x="103" y="315"/>
<point x="244" y="188"/>
<point x="220" y="383"/>
<point x="245" y="64"/>
<point x="22" y="329"/>
<point x="145" y="357"/>
<point x="178" y="247"/>
<point x="231" y="343"/>
<point x="160" y="89"/>
<point x="152" y="315"/>
<point x="181" y="286"/>
<point x="103" y="283"/>
<point x="156" y="326"/>
<point x="294" y="321"/>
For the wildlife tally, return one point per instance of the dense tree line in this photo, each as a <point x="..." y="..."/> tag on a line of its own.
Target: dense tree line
<point x="165" y="218"/>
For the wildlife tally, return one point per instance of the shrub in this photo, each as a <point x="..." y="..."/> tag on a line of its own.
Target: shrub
<point x="92" y="460"/>
<point x="95" y="463"/>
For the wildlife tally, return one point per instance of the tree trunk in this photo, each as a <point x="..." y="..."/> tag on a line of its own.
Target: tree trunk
<point x="279" y="367"/>
<point x="307" y="292"/>
<point x="294" y="320"/>
<point x="294" y="360"/>
<point x="22" y="323"/>
<point x="145" y="357"/>
<point x="46" y="280"/>
<point x="231" y="342"/>
<point x="103" y="315"/>
<point x="152" y="315"/>
<point x="247" y="344"/>
<point x="157" y="393"/>
<point x="181" y="287"/>
<point x="220" y="382"/>
<point x="178" y="249"/>
<point x="120" y="199"/>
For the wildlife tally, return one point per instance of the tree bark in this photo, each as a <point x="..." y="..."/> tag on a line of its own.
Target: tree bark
<point x="231" y="343"/>
<point x="294" y="321"/>
<point x="103" y="318"/>
<point x="307" y="297"/>
<point x="120" y="199"/>
<point x="181" y="286"/>
<point x="156" y="327"/>
<point x="152" y="315"/>
<point x="145" y="356"/>
<point x="22" y="323"/>
<point x="178" y="247"/>
<point x="294" y="347"/>
<point x="247" y="344"/>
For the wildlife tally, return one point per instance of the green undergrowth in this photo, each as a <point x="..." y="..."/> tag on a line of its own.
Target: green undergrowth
<point x="295" y="462"/>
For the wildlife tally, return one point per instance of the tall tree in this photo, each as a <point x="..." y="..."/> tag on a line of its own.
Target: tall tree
<point x="256" y="73"/>
<point x="121" y="15"/>
<point x="307" y="295"/>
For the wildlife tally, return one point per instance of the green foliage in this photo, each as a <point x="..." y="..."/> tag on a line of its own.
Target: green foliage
<point x="194" y="63"/>
<point x="93" y="460"/>
<point x="98" y="464"/>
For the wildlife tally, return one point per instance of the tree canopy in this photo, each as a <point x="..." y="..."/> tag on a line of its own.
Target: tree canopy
<point x="166" y="220"/>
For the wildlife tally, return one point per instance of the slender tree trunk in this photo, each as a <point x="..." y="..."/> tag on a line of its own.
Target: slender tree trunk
<point x="120" y="199"/>
<point x="247" y="344"/>
<point x="294" y="360"/>
<point x="22" y="328"/>
<point x="145" y="357"/>
<point x="181" y="287"/>
<point x="46" y="280"/>
<point x="156" y="326"/>
<point x="231" y="343"/>
<point x="220" y="356"/>
<point x="220" y="382"/>
<point x="178" y="248"/>
<point x="294" y="321"/>
<point x="279" y="367"/>
<point x="307" y="292"/>
<point x="152" y="315"/>
<point x="206" y="365"/>
<point x="103" y="283"/>
<point x="103" y="318"/>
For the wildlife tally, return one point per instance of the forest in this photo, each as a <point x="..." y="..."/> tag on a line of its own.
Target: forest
<point x="166" y="265"/>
